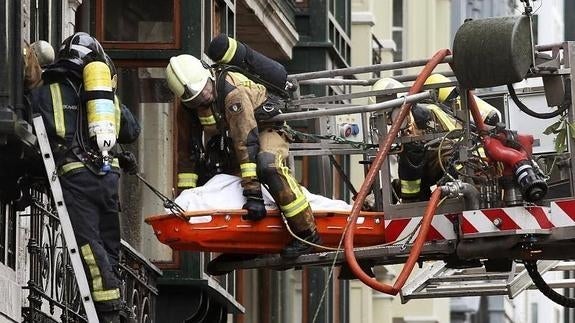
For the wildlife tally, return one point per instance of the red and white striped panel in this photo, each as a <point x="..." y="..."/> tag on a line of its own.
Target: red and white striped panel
<point x="563" y="213"/>
<point x="512" y="219"/>
<point x="441" y="228"/>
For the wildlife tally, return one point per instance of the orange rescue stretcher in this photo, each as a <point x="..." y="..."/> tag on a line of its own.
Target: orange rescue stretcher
<point x="227" y="232"/>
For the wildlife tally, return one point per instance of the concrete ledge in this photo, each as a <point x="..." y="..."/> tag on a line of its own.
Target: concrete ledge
<point x="11" y="305"/>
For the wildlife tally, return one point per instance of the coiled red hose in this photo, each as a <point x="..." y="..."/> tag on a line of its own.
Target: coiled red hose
<point x="380" y="157"/>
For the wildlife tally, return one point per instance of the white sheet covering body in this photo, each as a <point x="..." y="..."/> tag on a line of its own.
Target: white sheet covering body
<point x="224" y="192"/>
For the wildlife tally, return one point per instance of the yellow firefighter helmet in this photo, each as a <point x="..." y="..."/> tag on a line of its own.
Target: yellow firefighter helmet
<point x="444" y="92"/>
<point x="385" y="83"/>
<point x="186" y="76"/>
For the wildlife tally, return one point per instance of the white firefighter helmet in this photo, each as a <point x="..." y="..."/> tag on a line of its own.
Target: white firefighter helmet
<point x="44" y="52"/>
<point x="186" y="76"/>
<point x="388" y="83"/>
<point x="385" y="84"/>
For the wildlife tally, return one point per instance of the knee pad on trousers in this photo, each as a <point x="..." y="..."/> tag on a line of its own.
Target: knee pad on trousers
<point x="268" y="171"/>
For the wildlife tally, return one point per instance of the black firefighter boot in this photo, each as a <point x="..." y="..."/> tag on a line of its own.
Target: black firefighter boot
<point x="297" y="248"/>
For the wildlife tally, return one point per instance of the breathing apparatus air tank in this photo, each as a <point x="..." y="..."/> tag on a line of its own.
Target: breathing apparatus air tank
<point x="226" y="50"/>
<point x="99" y="98"/>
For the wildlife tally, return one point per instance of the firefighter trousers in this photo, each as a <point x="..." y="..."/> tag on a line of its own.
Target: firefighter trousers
<point x="93" y="205"/>
<point x="285" y="190"/>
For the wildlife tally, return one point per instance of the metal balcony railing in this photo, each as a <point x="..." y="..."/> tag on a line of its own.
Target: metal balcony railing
<point x="52" y="290"/>
<point x="44" y="269"/>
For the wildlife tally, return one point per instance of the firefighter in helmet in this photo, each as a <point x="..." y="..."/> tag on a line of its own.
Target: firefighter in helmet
<point x="417" y="163"/>
<point x="261" y="148"/>
<point x="89" y="182"/>
<point x="449" y="96"/>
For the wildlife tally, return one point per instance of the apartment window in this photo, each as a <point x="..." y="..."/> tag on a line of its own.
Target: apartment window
<point x="45" y="20"/>
<point x="397" y="33"/>
<point x="144" y="91"/>
<point x="8" y="234"/>
<point x="132" y="24"/>
<point x="219" y="18"/>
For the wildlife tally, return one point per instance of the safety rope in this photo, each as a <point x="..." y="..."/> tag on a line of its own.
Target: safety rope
<point x="174" y="208"/>
<point x="168" y="204"/>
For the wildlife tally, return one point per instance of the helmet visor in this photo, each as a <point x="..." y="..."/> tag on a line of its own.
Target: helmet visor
<point x="201" y="99"/>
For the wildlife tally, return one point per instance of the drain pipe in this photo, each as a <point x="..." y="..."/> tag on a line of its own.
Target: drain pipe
<point x="380" y="157"/>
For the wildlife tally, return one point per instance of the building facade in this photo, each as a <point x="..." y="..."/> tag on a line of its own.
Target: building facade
<point x="141" y="36"/>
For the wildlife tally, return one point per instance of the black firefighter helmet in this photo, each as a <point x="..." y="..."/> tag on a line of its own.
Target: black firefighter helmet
<point x="81" y="49"/>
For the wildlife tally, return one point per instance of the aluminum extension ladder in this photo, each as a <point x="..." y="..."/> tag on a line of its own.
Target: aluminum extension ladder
<point x="67" y="229"/>
<point x="440" y="281"/>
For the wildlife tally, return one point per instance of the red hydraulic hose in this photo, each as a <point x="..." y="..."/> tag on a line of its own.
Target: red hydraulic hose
<point x="421" y="237"/>
<point x="380" y="157"/>
<point x="496" y="150"/>
<point x="493" y="146"/>
<point x="475" y="113"/>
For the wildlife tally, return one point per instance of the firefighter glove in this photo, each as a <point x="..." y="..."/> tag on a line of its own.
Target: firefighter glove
<point x="255" y="206"/>
<point x="128" y="162"/>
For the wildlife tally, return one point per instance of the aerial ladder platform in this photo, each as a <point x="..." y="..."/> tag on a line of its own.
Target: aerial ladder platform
<point x="477" y="234"/>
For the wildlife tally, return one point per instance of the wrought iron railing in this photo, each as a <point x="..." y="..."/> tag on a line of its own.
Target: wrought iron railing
<point x="52" y="290"/>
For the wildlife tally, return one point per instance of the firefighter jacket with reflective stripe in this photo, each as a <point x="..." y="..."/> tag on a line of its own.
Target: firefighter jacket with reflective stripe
<point x="261" y="148"/>
<point x="64" y="115"/>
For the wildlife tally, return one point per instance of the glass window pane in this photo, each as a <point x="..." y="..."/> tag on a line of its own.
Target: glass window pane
<point x="397" y="36"/>
<point x="144" y="91"/>
<point x="139" y="21"/>
<point x="398" y="13"/>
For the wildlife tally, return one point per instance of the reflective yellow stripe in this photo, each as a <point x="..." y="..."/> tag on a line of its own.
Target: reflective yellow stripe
<point x="300" y="203"/>
<point x="446" y="121"/>
<point x="75" y="165"/>
<point x="207" y="121"/>
<point x="70" y="166"/>
<point x="247" y="83"/>
<point x="187" y="180"/>
<point x="118" y="115"/>
<point x="295" y="207"/>
<point x="410" y="187"/>
<point x="58" y="109"/>
<point x="106" y="295"/>
<point x="294" y="186"/>
<point x="232" y="46"/>
<point x="92" y="267"/>
<point x="248" y="170"/>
